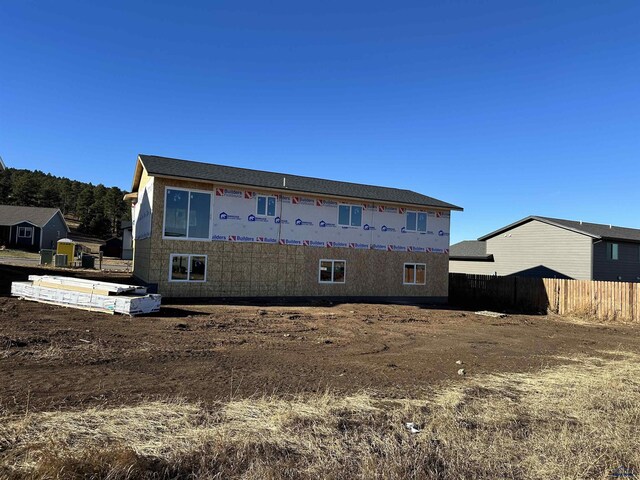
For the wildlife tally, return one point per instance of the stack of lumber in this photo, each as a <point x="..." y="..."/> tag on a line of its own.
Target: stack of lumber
<point x="87" y="294"/>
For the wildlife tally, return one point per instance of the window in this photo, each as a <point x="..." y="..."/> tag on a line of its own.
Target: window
<point x="266" y="206"/>
<point x="188" y="268"/>
<point x="415" y="274"/>
<point x="187" y="213"/>
<point x="416" y="222"/>
<point x="332" y="271"/>
<point x="25" y="232"/>
<point x="350" y="215"/>
<point x="612" y="251"/>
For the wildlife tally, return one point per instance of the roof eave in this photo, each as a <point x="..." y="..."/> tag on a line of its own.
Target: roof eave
<point x="137" y="174"/>
<point x="448" y="206"/>
<point x="464" y="258"/>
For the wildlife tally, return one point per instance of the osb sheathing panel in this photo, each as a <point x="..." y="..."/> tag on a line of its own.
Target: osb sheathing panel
<point x="254" y="269"/>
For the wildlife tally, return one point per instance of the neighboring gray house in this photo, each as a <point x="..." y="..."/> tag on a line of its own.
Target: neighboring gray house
<point x="552" y="248"/>
<point x="31" y="228"/>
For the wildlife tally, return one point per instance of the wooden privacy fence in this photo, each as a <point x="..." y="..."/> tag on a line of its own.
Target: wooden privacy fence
<point x="602" y="300"/>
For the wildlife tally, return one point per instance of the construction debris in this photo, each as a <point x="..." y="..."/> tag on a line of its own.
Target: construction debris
<point x="487" y="313"/>
<point x="87" y="294"/>
<point x="412" y="427"/>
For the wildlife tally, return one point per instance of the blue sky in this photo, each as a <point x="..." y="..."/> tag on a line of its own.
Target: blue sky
<point x="505" y="108"/>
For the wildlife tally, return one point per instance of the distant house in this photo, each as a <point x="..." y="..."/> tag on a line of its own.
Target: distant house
<point x="112" y="247"/>
<point x="31" y="228"/>
<point x="552" y="248"/>
<point x="120" y="246"/>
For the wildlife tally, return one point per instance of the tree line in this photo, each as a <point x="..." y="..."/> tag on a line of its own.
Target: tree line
<point x="99" y="209"/>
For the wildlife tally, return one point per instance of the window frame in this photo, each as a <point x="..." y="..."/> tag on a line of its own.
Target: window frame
<point x="611" y="246"/>
<point x="188" y="255"/>
<point x="417" y="230"/>
<point x="266" y="205"/>
<point x="415" y="271"/>
<point x="333" y="262"/>
<point x="211" y="194"/>
<point x="25" y="230"/>
<point x="350" y="205"/>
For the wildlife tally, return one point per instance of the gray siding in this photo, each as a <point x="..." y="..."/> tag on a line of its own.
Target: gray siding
<point x="627" y="267"/>
<point x="476" y="268"/>
<point x="53" y="231"/>
<point x="535" y="249"/>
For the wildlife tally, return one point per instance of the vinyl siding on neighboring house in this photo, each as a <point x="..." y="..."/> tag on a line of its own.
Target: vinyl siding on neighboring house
<point x="525" y="248"/>
<point x="627" y="267"/>
<point x="53" y="231"/>
<point x="30" y="243"/>
<point x="472" y="267"/>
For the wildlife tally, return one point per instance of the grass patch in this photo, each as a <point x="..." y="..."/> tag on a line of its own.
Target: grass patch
<point x="11" y="253"/>
<point x="580" y="420"/>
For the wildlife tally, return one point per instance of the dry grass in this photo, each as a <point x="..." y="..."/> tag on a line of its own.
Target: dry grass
<point x="577" y="421"/>
<point x="12" y="253"/>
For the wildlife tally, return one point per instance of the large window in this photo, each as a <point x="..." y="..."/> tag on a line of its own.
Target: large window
<point x="25" y="232"/>
<point x="612" y="251"/>
<point x="187" y="214"/>
<point x="188" y="268"/>
<point x="266" y="206"/>
<point x="350" y="215"/>
<point x="415" y="274"/>
<point x="416" y="222"/>
<point x="332" y="271"/>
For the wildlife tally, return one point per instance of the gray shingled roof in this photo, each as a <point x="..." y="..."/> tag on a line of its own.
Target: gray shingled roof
<point x="469" y="250"/>
<point x="172" y="167"/>
<point x="594" y="230"/>
<point x="12" y="214"/>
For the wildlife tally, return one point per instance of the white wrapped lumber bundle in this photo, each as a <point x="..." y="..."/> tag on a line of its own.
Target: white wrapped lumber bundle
<point x="86" y="286"/>
<point x="125" y="303"/>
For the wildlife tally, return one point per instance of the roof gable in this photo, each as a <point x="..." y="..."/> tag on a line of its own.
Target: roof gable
<point x="593" y="230"/>
<point x="171" y="167"/>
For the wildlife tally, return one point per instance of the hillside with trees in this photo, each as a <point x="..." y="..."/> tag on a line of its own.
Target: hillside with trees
<point x="98" y="209"/>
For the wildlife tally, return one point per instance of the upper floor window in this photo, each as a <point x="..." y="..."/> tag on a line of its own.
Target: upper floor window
<point x="266" y="205"/>
<point x="612" y="251"/>
<point x="350" y="215"/>
<point x="187" y="213"/>
<point x="416" y="222"/>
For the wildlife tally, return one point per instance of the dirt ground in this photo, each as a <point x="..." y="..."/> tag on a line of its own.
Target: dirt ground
<point x="54" y="357"/>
